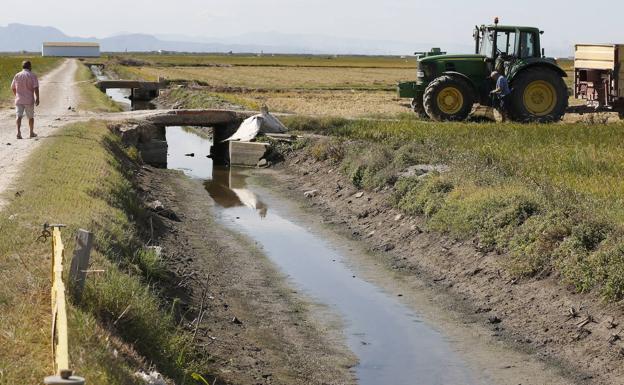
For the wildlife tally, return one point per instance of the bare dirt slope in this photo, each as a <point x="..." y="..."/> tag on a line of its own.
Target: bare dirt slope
<point x="58" y="93"/>
<point x="256" y="330"/>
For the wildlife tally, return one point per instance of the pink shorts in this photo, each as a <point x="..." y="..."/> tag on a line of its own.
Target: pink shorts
<point x="29" y="109"/>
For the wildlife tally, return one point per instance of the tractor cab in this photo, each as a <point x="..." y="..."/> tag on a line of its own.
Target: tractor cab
<point x="505" y="46"/>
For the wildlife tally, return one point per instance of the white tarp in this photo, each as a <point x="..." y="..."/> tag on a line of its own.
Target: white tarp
<point x="263" y="123"/>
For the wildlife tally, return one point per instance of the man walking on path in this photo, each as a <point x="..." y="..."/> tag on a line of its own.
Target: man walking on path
<point x="25" y="87"/>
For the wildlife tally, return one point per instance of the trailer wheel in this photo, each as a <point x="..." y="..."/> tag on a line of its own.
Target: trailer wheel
<point x="448" y="98"/>
<point x="539" y="95"/>
<point x="419" y="109"/>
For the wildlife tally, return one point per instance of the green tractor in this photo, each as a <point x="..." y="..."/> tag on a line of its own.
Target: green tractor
<point x="448" y="86"/>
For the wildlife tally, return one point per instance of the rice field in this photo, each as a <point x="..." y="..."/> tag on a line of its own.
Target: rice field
<point x="284" y="77"/>
<point x="352" y="104"/>
<point x="352" y="86"/>
<point x="582" y="159"/>
<point x="212" y="60"/>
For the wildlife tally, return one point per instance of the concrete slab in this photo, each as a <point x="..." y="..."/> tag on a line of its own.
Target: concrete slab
<point x="247" y="153"/>
<point x="204" y="118"/>
<point x="154" y="152"/>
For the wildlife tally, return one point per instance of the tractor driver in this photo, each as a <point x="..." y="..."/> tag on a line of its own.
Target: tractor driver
<point x="502" y="88"/>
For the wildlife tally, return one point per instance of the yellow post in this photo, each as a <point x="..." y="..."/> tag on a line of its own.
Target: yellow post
<point x="60" y="336"/>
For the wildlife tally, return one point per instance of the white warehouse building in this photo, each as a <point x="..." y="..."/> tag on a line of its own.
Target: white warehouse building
<point x="70" y="49"/>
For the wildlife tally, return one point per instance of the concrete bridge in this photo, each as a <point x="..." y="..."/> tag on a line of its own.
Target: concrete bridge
<point x="201" y="118"/>
<point x="147" y="131"/>
<point x="140" y="90"/>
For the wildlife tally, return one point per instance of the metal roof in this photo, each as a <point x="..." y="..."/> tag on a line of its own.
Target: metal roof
<point x="70" y="44"/>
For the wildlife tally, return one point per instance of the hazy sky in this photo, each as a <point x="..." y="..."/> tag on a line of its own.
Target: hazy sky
<point x="435" y="21"/>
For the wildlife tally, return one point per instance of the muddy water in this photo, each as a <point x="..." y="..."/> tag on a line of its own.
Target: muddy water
<point x="393" y="344"/>
<point x="181" y="144"/>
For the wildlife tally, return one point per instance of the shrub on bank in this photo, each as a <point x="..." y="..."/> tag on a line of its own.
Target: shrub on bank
<point x="545" y="197"/>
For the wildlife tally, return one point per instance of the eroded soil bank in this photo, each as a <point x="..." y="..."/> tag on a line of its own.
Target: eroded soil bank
<point x="551" y="334"/>
<point x="254" y="327"/>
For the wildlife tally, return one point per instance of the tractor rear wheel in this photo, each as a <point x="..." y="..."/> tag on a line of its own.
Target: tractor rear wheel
<point x="419" y="109"/>
<point x="448" y="98"/>
<point x="539" y="95"/>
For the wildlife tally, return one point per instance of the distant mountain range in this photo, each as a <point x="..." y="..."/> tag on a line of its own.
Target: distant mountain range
<point x="20" y="37"/>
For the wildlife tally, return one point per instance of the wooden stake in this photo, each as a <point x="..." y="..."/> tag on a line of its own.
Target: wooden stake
<point x="80" y="263"/>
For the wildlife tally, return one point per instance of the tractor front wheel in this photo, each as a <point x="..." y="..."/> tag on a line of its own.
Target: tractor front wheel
<point x="539" y="95"/>
<point x="448" y="98"/>
<point x="419" y="109"/>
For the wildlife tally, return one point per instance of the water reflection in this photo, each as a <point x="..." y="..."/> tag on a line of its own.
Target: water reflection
<point x="181" y="143"/>
<point x="228" y="188"/>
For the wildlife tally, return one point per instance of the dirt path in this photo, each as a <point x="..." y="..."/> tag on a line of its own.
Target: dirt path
<point x="58" y="92"/>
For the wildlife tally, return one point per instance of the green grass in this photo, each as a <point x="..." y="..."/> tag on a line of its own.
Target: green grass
<point x="206" y="99"/>
<point x="10" y="65"/>
<point x="92" y="99"/>
<point x="582" y="158"/>
<point x="83" y="180"/>
<point x="548" y="197"/>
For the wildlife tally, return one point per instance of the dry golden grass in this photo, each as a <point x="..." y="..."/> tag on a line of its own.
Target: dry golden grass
<point x="333" y="103"/>
<point x="284" y="77"/>
<point x="319" y="86"/>
<point x="353" y="104"/>
<point x="343" y="86"/>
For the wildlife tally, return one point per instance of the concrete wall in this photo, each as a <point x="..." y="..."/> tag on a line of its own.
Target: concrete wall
<point x="70" y="51"/>
<point x="247" y="153"/>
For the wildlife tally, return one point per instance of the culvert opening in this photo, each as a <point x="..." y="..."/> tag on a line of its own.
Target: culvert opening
<point x="191" y="150"/>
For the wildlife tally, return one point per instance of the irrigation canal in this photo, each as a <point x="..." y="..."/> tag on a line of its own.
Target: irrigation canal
<point x="393" y="344"/>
